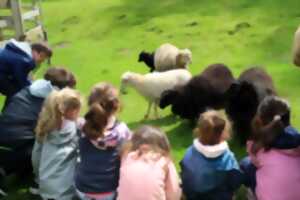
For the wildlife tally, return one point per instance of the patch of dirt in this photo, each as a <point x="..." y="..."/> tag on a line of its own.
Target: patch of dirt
<point x="123" y="51"/>
<point x="71" y="20"/>
<point x="121" y="17"/>
<point x="62" y="44"/>
<point x="191" y="24"/>
<point x="154" y="29"/>
<point x="104" y="71"/>
<point x="238" y="27"/>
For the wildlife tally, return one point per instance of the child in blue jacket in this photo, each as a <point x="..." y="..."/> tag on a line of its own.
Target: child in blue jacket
<point x="209" y="169"/>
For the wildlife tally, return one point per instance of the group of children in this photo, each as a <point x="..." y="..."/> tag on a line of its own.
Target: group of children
<point x="99" y="158"/>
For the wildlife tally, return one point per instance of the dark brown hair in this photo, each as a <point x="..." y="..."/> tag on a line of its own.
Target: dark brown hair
<point x="272" y="116"/>
<point x="42" y="48"/>
<point x="60" y="77"/>
<point x="96" y="121"/>
<point x="212" y="128"/>
<point x="103" y="102"/>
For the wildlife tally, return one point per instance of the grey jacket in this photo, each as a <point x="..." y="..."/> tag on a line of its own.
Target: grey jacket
<point x="54" y="162"/>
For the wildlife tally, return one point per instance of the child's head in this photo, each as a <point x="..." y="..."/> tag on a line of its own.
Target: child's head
<point x="212" y="128"/>
<point x="107" y="96"/>
<point x="149" y="138"/>
<point x="59" y="105"/>
<point x="103" y="103"/>
<point x="60" y="77"/>
<point x="273" y="115"/>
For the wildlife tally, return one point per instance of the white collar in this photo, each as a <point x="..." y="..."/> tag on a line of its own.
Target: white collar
<point x="210" y="151"/>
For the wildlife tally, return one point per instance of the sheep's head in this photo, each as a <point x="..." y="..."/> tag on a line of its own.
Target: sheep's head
<point x="142" y="56"/>
<point x="167" y="98"/>
<point x="184" y="58"/>
<point x="242" y="101"/>
<point x="124" y="82"/>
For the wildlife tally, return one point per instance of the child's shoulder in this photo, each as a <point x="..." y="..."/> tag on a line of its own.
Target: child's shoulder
<point x="122" y="129"/>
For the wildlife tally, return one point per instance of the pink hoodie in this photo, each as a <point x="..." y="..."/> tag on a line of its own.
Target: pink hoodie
<point x="148" y="177"/>
<point x="278" y="174"/>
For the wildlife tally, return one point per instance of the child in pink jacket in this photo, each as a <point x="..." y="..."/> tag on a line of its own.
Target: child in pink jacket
<point x="147" y="172"/>
<point x="277" y="175"/>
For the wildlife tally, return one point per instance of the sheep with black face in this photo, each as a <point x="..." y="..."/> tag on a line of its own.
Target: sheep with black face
<point x="244" y="96"/>
<point x="206" y="90"/>
<point x="166" y="57"/>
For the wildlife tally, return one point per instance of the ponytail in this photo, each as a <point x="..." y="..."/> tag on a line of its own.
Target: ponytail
<point x="96" y="121"/>
<point x="265" y="135"/>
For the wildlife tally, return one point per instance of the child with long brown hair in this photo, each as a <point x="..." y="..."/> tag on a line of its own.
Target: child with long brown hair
<point x="97" y="171"/>
<point x="54" y="152"/>
<point x="269" y="152"/>
<point x="209" y="168"/>
<point x="147" y="171"/>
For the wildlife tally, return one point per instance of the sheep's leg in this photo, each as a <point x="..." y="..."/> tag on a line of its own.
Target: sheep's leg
<point x="156" y="111"/>
<point x="148" y="110"/>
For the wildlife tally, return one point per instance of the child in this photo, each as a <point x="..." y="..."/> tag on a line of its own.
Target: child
<point x="277" y="175"/>
<point x="97" y="172"/>
<point x="209" y="168"/>
<point x="54" y="152"/>
<point x="147" y="172"/>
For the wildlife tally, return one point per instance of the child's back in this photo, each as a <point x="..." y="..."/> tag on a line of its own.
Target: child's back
<point x="209" y="169"/>
<point x="98" y="168"/>
<point x="147" y="172"/>
<point x="54" y="162"/>
<point x="277" y="175"/>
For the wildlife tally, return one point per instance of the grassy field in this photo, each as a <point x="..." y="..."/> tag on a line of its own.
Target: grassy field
<point x="100" y="39"/>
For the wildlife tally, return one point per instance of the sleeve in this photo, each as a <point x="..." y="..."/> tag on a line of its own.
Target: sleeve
<point x="35" y="159"/>
<point x="20" y="73"/>
<point x="252" y="156"/>
<point x="173" y="190"/>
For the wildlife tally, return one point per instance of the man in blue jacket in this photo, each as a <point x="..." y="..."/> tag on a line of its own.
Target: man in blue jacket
<point x="17" y="59"/>
<point x="19" y="119"/>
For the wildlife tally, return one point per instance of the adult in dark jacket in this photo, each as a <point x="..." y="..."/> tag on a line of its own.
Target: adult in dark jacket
<point x="17" y="59"/>
<point x="19" y="118"/>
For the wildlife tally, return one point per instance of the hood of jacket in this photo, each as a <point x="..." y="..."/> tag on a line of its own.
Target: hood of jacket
<point x="41" y="88"/>
<point x="24" y="47"/>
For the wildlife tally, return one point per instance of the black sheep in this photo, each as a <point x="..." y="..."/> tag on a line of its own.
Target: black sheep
<point x="206" y="90"/>
<point x="147" y="58"/>
<point x="244" y="96"/>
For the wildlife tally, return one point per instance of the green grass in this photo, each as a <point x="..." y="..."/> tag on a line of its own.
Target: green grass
<point x="100" y="39"/>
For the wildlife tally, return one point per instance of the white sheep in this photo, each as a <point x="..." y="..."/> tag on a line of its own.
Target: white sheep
<point x="34" y="35"/>
<point x="151" y="85"/>
<point x="296" y="48"/>
<point x="166" y="57"/>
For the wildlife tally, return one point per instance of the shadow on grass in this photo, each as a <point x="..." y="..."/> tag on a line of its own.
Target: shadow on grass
<point x="164" y="121"/>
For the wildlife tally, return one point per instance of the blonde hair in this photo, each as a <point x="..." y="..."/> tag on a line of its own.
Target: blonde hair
<point x="155" y="138"/>
<point x="213" y="128"/>
<point x="54" y="108"/>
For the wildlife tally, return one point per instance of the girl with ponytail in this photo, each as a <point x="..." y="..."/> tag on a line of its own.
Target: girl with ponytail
<point x="97" y="171"/>
<point x="276" y="165"/>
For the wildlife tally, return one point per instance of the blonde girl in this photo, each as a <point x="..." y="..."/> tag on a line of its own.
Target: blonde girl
<point x="147" y="171"/>
<point x="54" y="152"/>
